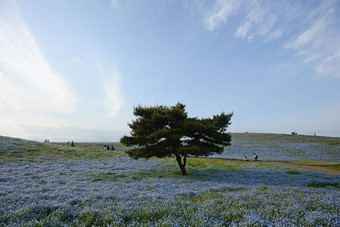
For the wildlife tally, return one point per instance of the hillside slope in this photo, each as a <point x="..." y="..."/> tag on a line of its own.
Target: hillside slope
<point x="279" y="147"/>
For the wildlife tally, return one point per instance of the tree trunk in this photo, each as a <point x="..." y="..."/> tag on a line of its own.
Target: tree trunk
<point x="181" y="166"/>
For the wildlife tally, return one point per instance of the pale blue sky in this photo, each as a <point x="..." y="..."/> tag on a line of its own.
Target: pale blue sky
<point x="73" y="70"/>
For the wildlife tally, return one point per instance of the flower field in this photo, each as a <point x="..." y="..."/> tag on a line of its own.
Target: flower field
<point x="283" y="147"/>
<point x="55" y="185"/>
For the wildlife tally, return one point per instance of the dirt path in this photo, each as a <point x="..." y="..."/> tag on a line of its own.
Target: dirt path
<point x="320" y="169"/>
<point x="315" y="168"/>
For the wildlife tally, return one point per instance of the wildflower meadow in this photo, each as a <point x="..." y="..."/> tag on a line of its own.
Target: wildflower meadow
<point x="51" y="184"/>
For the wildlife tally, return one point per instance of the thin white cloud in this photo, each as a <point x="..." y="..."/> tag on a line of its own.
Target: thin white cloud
<point x="330" y="65"/>
<point x="319" y="43"/>
<point x="260" y="18"/>
<point x="34" y="96"/>
<point x="310" y="35"/>
<point x="274" y="35"/>
<point x="113" y="95"/>
<point x="222" y="9"/>
<point x="115" y="4"/>
<point x="265" y="28"/>
<point x="259" y="21"/>
<point x="27" y="81"/>
<point x="243" y="30"/>
<point x="111" y="85"/>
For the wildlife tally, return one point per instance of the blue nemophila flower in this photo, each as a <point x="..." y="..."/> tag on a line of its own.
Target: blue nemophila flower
<point x="123" y="192"/>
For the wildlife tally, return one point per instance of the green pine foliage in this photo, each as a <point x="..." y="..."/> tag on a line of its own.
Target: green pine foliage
<point x="161" y="131"/>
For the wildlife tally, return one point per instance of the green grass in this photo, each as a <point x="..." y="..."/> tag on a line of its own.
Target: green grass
<point x="209" y="163"/>
<point x="293" y="172"/>
<point x="107" y="176"/>
<point x="335" y="166"/>
<point x="329" y="165"/>
<point x="323" y="185"/>
<point x="270" y="165"/>
<point x="37" y="152"/>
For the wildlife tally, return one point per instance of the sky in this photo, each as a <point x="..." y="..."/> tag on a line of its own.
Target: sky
<point x="74" y="70"/>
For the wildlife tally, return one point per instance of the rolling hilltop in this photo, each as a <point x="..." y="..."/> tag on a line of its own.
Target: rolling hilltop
<point x="269" y="147"/>
<point x="280" y="147"/>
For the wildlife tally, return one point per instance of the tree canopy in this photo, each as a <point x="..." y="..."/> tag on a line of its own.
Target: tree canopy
<point x="162" y="131"/>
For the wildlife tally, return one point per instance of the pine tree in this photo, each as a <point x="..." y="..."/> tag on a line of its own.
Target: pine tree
<point x="162" y="131"/>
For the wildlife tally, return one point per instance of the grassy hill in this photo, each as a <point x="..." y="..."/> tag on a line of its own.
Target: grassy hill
<point x="52" y="184"/>
<point x="279" y="147"/>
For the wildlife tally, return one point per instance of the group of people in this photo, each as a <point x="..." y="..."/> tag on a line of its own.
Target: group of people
<point x="71" y="144"/>
<point x="255" y="157"/>
<point x="295" y="133"/>
<point x="109" y="147"/>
